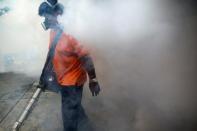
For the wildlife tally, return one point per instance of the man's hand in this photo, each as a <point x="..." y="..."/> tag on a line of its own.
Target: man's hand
<point x="41" y="86"/>
<point x="94" y="87"/>
<point x="89" y="67"/>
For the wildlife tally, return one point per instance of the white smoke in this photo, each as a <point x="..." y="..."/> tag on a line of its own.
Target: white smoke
<point x="143" y="51"/>
<point x="23" y="41"/>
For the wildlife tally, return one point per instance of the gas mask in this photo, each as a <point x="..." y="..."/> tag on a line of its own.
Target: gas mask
<point x="49" y="22"/>
<point x="50" y="10"/>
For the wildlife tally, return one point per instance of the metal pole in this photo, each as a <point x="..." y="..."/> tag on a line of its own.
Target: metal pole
<point x="27" y="109"/>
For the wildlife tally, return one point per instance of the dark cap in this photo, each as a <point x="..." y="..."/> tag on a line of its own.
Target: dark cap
<point x="50" y="12"/>
<point x="52" y="2"/>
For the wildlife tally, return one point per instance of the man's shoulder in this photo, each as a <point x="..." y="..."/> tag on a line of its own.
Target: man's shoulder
<point x="70" y="38"/>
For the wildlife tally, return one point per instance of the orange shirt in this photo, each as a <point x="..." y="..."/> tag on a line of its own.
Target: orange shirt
<point x="66" y="63"/>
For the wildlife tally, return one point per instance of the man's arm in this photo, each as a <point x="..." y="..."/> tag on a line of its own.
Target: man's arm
<point x="88" y="65"/>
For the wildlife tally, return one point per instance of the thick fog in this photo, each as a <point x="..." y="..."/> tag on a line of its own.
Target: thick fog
<point x="144" y="53"/>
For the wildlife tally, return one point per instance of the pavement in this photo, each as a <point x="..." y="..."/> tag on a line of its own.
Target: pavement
<point x="15" y="92"/>
<point x="117" y="108"/>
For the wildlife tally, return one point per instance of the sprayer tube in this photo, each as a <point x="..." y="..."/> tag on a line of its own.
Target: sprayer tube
<point x="27" y="109"/>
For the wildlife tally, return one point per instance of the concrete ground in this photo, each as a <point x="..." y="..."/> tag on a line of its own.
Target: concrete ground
<point x="115" y="109"/>
<point x="16" y="90"/>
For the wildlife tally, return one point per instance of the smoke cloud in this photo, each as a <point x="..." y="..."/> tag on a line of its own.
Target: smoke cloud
<point x="23" y="41"/>
<point x="144" y="53"/>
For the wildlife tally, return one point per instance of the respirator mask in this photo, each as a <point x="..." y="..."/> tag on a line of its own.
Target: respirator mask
<point x="50" y="10"/>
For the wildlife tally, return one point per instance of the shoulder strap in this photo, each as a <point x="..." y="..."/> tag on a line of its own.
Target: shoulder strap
<point x="54" y="43"/>
<point x="48" y="62"/>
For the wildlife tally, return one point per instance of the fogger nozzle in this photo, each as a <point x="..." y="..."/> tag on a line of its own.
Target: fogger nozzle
<point x="27" y="109"/>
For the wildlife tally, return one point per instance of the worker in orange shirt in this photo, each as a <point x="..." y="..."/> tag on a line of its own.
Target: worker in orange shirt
<point x="71" y="64"/>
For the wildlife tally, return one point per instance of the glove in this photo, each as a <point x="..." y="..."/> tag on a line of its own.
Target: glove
<point x="94" y="87"/>
<point x="41" y="86"/>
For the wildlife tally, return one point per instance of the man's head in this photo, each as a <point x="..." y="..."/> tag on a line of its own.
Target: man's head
<point x="52" y="2"/>
<point x="50" y="10"/>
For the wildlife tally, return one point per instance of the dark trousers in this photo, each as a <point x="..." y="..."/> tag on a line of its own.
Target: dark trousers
<point x="72" y="110"/>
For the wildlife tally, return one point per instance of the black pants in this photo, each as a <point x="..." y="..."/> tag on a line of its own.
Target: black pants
<point x="72" y="110"/>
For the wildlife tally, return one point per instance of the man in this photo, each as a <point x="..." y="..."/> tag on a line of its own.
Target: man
<point x="71" y="63"/>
